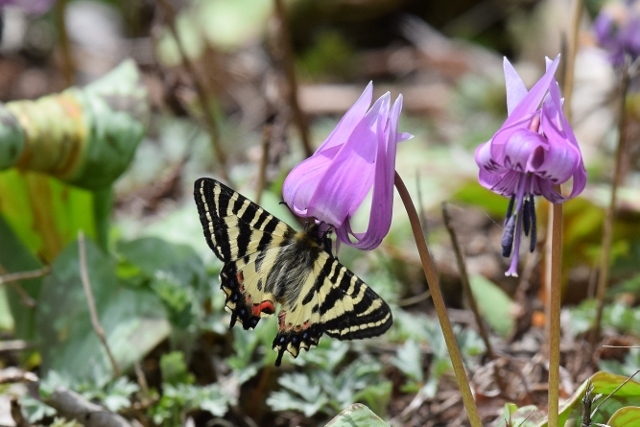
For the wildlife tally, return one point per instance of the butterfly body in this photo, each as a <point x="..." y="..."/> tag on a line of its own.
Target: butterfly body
<point x="266" y="261"/>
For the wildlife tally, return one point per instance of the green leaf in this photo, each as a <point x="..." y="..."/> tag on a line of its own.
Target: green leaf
<point x="175" y="273"/>
<point x="44" y="213"/>
<point x="356" y="414"/>
<point x="625" y="417"/>
<point x="627" y="393"/>
<point x="174" y="369"/>
<point x="409" y="360"/>
<point x="527" y="416"/>
<point x="6" y="320"/>
<point x="377" y="396"/>
<point x="14" y="258"/>
<point x="133" y="320"/>
<point x="494" y="304"/>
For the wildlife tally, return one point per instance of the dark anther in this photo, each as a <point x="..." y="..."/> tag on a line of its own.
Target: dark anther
<point x="526" y="217"/>
<point x="507" y="237"/>
<point x="534" y="237"/>
<point x="510" y="208"/>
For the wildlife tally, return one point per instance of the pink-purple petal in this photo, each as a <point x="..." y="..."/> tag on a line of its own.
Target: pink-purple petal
<point x="381" y="210"/>
<point x="358" y="158"/>
<point x="349" y="121"/>
<point x="516" y="90"/>
<point x="531" y="102"/>
<point x="533" y="151"/>
<point x="523" y="151"/>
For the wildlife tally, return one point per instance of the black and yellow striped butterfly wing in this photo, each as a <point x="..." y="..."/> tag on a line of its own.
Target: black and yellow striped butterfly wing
<point x="266" y="261"/>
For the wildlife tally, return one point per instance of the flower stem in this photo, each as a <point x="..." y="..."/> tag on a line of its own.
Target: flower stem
<point x="554" y="255"/>
<point x="438" y="301"/>
<point x="553" y="315"/>
<point x="607" y="226"/>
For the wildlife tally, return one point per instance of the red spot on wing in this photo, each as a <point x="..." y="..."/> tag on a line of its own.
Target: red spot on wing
<point x="284" y="326"/>
<point x="263" y="307"/>
<point x="240" y="277"/>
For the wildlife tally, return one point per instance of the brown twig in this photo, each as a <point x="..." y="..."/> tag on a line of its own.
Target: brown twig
<point x="610" y="213"/>
<point x="286" y="59"/>
<point x="16" y="413"/>
<point x="93" y="313"/>
<point x="17" y="376"/>
<point x="70" y="404"/>
<point x="11" y="279"/>
<point x="22" y="275"/>
<point x="264" y="161"/>
<point x="68" y="65"/>
<point x="209" y="117"/>
<point x="12" y="345"/>
<point x="438" y="301"/>
<point x="468" y="292"/>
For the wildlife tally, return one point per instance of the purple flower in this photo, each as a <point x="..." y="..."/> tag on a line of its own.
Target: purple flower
<point x="35" y="7"/>
<point x="358" y="156"/>
<point x="533" y="151"/>
<point x="617" y="29"/>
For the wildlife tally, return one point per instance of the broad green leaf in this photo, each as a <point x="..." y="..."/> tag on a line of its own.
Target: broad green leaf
<point x="604" y="383"/>
<point x="173" y="271"/>
<point x="625" y="417"/>
<point x="44" y="213"/>
<point x="377" y="396"/>
<point x="474" y="194"/>
<point x="85" y="137"/>
<point x="6" y="320"/>
<point x="356" y="414"/>
<point x="527" y="416"/>
<point x="15" y="258"/>
<point x="494" y="304"/>
<point x="133" y="320"/>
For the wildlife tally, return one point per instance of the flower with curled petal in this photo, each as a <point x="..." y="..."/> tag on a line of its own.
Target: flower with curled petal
<point x="617" y="29"/>
<point x="35" y="7"/>
<point x="358" y="157"/>
<point x="534" y="151"/>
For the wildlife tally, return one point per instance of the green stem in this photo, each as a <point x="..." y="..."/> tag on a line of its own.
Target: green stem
<point x="438" y="301"/>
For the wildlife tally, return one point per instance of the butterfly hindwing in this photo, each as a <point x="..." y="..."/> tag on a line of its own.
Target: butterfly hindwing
<point x="335" y="301"/>
<point x="266" y="261"/>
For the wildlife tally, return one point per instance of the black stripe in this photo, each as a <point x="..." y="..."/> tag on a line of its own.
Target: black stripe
<point x="265" y="240"/>
<point x="261" y="219"/>
<point x="317" y="286"/>
<point x="202" y="189"/>
<point x="244" y="238"/>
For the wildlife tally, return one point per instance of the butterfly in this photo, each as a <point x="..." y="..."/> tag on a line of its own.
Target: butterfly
<point x="267" y="261"/>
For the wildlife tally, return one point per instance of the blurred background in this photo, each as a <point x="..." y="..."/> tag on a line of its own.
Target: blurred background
<point x="243" y="90"/>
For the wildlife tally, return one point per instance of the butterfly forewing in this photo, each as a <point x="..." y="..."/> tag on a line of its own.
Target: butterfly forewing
<point x="267" y="261"/>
